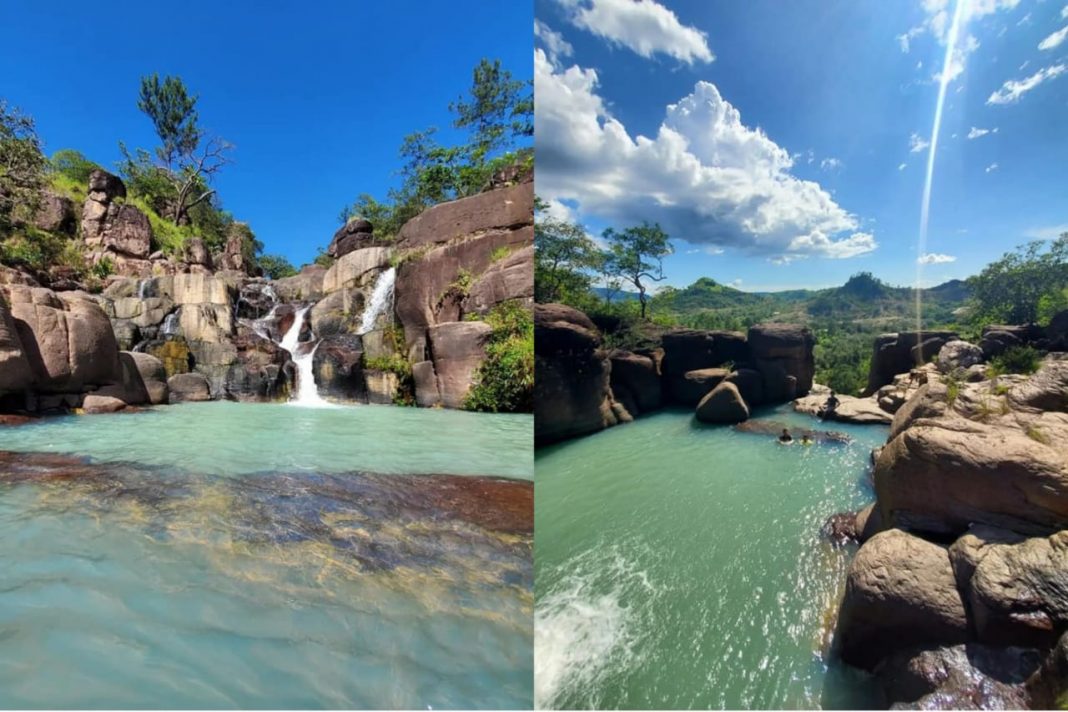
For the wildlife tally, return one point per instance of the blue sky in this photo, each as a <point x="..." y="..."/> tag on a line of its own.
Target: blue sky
<point x="316" y="96"/>
<point x="785" y="143"/>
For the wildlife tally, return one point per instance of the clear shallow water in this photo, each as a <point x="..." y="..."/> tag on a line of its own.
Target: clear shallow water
<point x="228" y="438"/>
<point x="682" y="566"/>
<point x="180" y="567"/>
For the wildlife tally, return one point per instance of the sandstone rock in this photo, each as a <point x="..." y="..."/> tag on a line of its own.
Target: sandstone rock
<point x="1014" y="586"/>
<point x="427" y="394"/>
<point x="508" y="278"/>
<point x="503" y="209"/>
<point x="929" y="401"/>
<point x="942" y="475"/>
<point x="196" y="289"/>
<point x="723" y="405"/>
<point x="749" y="383"/>
<point x="101" y="404"/>
<point x="306" y="285"/>
<point x="862" y="411"/>
<point x="356" y="268"/>
<point x="338" y="312"/>
<point x="458" y="349"/>
<point x="354" y="235"/>
<point x="337" y="367"/>
<point x="15" y="372"/>
<point x="66" y="339"/>
<point x="900" y="593"/>
<point x="188" y="387"/>
<point x="126" y="230"/>
<point x="692" y="349"/>
<point x="637" y="377"/>
<point x="173" y="353"/>
<point x="233" y="257"/>
<point x="104" y="187"/>
<point x="382" y="386"/>
<point x="689" y="388"/>
<point x="897" y="353"/>
<point x="1046" y="389"/>
<point x="256" y="372"/>
<point x="571" y="383"/>
<point x="197" y="253"/>
<point x="55" y="214"/>
<point x="958" y="354"/>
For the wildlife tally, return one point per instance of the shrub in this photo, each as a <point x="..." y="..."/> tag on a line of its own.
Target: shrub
<point x="72" y="165"/>
<point x="505" y="380"/>
<point x="1017" y="359"/>
<point x="276" y="266"/>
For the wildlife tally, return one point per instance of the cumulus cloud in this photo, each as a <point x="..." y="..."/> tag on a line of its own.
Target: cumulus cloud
<point x="555" y="44"/>
<point x="1011" y="91"/>
<point x="937" y="21"/>
<point x="1064" y="12"/>
<point x="935" y="258"/>
<point x="977" y="132"/>
<point x="705" y="177"/>
<point x="991" y="168"/>
<point x="643" y="26"/>
<point x="917" y="143"/>
<point x="1055" y="39"/>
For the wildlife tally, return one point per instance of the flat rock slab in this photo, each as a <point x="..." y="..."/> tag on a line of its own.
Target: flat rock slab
<point x="862" y="411"/>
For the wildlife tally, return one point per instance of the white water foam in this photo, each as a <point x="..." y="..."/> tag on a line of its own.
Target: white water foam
<point x="584" y="629"/>
<point x="381" y="299"/>
<point x="303" y="357"/>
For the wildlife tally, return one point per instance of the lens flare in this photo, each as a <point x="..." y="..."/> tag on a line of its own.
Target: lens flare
<point x="925" y="208"/>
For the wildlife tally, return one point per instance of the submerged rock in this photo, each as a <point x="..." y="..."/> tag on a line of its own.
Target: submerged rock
<point x="188" y="387"/>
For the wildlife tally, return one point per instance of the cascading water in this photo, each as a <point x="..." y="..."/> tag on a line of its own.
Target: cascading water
<point x="170" y="325"/>
<point x="303" y="356"/>
<point x="381" y="300"/>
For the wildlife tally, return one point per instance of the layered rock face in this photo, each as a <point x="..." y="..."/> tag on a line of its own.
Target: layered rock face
<point x="457" y="262"/>
<point x="722" y="374"/>
<point x="965" y="552"/>
<point x="899" y="353"/>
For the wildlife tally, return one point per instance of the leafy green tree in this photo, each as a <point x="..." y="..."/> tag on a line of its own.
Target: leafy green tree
<point x="638" y="256"/>
<point x="188" y="157"/>
<point x="73" y="164"/>
<point x="1015" y="287"/>
<point x="276" y="266"/>
<point x="497" y="110"/>
<point x="562" y="254"/>
<point x="22" y="168"/>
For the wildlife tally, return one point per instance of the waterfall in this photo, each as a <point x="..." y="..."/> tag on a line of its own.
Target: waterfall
<point x="381" y="300"/>
<point x="170" y="325"/>
<point x="261" y="326"/>
<point x="142" y="289"/>
<point x="303" y="356"/>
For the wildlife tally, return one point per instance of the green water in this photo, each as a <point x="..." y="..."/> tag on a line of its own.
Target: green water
<point x="239" y="438"/>
<point x="681" y="566"/>
<point x="226" y="555"/>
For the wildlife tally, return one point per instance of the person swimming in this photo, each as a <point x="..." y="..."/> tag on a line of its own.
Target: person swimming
<point x="806" y="440"/>
<point x="786" y="438"/>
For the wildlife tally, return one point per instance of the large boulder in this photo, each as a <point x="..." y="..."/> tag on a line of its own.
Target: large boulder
<point x="152" y="373"/>
<point x="66" y="338"/>
<point x="723" y="405"/>
<point x="635" y="382"/>
<point x="497" y="210"/>
<point x="55" y="213"/>
<point x="357" y="268"/>
<point x="898" y="353"/>
<point x="188" y="387"/>
<point x="458" y="349"/>
<point x="1057" y="332"/>
<point x="782" y="353"/>
<point x="15" y="372"/>
<point x="257" y="373"/>
<point x="196" y="253"/>
<point x="304" y="286"/>
<point x="510" y="277"/>
<point x="958" y="355"/>
<point x="94" y="403"/>
<point x="750" y="385"/>
<point x="690" y="387"/>
<point x="996" y="342"/>
<point x="943" y="475"/>
<point x="353" y="235"/>
<point x="1045" y="390"/>
<point x="691" y="350"/>
<point x="337" y="367"/>
<point x="571" y="384"/>
<point x="900" y="593"/>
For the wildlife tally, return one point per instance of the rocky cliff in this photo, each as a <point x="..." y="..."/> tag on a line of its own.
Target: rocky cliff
<point x="388" y="321"/>
<point x="581" y="388"/>
<point x="958" y="595"/>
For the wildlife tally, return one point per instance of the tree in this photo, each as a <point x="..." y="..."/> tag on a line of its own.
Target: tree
<point x="22" y="168"/>
<point x="1014" y="288"/>
<point x="188" y="156"/>
<point x="497" y="112"/>
<point x="638" y="254"/>
<point x="276" y="266"/>
<point x="562" y="253"/>
<point x="73" y="164"/>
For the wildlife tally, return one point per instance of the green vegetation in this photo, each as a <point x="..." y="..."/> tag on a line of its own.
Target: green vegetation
<point x="636" y="255"/>
<point x="276" y="266"/>
<point x="1025" y="286"/>
<point x="505" y="380"/>
<point x="1016" y="359"/>
<point x="399" y="366"/>
<point x="24" y="168"/>
<point x="497" y="113"/>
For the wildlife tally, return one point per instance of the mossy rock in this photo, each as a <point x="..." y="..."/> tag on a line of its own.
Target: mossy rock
<point x="174" y="353"/>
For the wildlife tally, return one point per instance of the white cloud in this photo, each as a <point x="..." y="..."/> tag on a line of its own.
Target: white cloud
<point x="705" y="177"/>
<point x="991" y="168"/>
<point x="1064" y="12"/>
<point x="555" y="210"/>
<point x="1051" y="232"/>
<point x="917" y="143"/>
<point x="937" y="23"/>
<point x="736" y="283"/>
<point x="935" y="258"/>
<point x="555" y="44"/>
<point x="1024" y="65"/>
<point x="830" y="164"/>
<point x="1011" y="91"/>
<point x="977" y="132"/>
<point x="1055" y="39"/>
<point x="1025" y="20"/>
<point x="902" y="166"/>
<point x="643" y="26"/>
